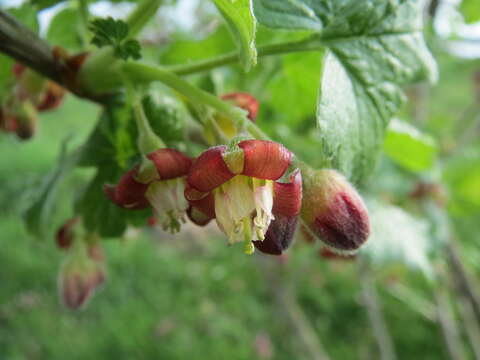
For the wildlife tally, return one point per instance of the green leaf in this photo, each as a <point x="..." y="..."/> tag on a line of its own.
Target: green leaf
<point x="375" y="47"/>
<point x="398" y="236"/>
<point x="63" y="30"/>
<point x="113" y="140"/>
<point x="409" y="148"/>
<point x="27" y="15"/>
<point x="242" y="24"/>
<point x="39" y="217"/>
<point x="99" y="214"/>
<point x="470" y="10"/>
<point x="44" y="4"/>
<point x="462" y="176"/>
<point x="111" y="32"/>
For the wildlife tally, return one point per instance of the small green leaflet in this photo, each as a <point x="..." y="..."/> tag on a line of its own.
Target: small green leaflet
<point x="408" y="147"/>
<point x="39" y="217"/>
<point x="114" y="33"/>
<point x="375" y="47"/>
<point x="242" y="24"/>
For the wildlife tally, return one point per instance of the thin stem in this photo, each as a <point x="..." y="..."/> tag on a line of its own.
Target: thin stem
<point x="375" y="313"/>
<point x="84" y="17"/>
<point x="148" y="141"/>
<point x="144" y="11"/>
<point x="144" y="73"/>
<point x="311" y="43"/>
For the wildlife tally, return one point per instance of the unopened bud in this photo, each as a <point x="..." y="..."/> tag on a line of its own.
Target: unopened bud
<point x="26" y="120"/>
<point x="334" y="211"/>
<point x="65" y="234"/>
<point x="82" y="272"/>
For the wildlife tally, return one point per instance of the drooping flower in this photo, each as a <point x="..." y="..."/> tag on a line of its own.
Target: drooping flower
<point x="237" y="185"/>
<point x="334" y="211"/>
<point x="82" y="273"/>
<point x="163" y="189"/>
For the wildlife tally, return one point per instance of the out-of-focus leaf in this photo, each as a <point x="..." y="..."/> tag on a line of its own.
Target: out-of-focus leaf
<point x="63" y="29"/>
<point x="408" y="147"/>
<point x="470" y="10"/>
<point x="375" y="46"/>
<point x="398" y="236"/>
<point x="6" y="75"/>
<point x="44" y="4"/>
<point x="188" y="50"/>
<point x="462" y="175"/>
<point x="27" y="15"/>
<point x="39" y="217"/>
<point x="113" y="140"/>
<point x="242" y="24"/>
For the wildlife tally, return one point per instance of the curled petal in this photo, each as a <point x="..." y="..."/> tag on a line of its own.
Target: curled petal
<point x="245" y="101"/>
<point x="170" y="163"/>
<point x="279" y="236"/>
<point x="265" y="159"/>
<point x="197" y="217"/>
<point x="288" y="196"/>
<point x="193" y="194"/>
<point x="128" y="193"/>
<point x="209" y="170"/>
<point x="205" y="205"/>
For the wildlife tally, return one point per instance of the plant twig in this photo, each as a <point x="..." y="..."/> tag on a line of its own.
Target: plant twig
<point x="375" y="313"/>
<point x="284" y="294"/>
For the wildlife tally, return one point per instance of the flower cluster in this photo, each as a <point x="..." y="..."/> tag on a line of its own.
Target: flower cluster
<point x="30" y="94"/>
<point x="250" y="188"/>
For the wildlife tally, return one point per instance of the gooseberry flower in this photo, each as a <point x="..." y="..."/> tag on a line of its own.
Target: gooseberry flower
<point x="237" y="185"/>
<point x="82" y="273"/>
<point x="163" y="191"/>
<point x="334" y="211"/>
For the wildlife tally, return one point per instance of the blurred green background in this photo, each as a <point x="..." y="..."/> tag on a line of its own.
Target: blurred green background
<point x="192" y="297"/>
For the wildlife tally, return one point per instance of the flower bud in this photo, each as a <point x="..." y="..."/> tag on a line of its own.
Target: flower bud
<point x="26" y="120"/>
<point x="65" y="235"/>
<point x="334" y="211"/>
<point x="82" y="272"/>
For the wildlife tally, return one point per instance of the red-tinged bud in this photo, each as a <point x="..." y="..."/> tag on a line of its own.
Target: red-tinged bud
<point x="245" y="101"/>
<point x="26" y="119"/>
<point x="52" y="97"/>
<point x="287" y="202"/>
<point x="170" y="163"/>
<point x="128" y="193"/>
<point x="241" y="179"/>
<point x="65" y="235"/>
<point x="334" y="211"/>
<point x="81" y="274"/>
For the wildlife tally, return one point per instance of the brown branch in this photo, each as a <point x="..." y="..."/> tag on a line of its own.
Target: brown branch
<point x="23" y="45"/>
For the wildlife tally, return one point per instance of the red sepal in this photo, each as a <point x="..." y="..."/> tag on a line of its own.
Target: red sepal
<point x="245" y="101"/>
<point x="279" y="235"/>
<point x="170" y="163"/>
<point x="287" y="198"/>
<point x="209" y="170"/>
<point x="128" y="193"/>
<point x="265" y="159"/>
<point x="52" y="98"/>
<point x="64" y="235"/>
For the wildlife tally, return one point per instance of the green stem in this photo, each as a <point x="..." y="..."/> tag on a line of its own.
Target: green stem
<point x="148" y="141"/>
<point x="144" y="11"/>
<point x="84" y="15"/>
<point x="138" y="73"/>
<point x="311" y="43"/>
